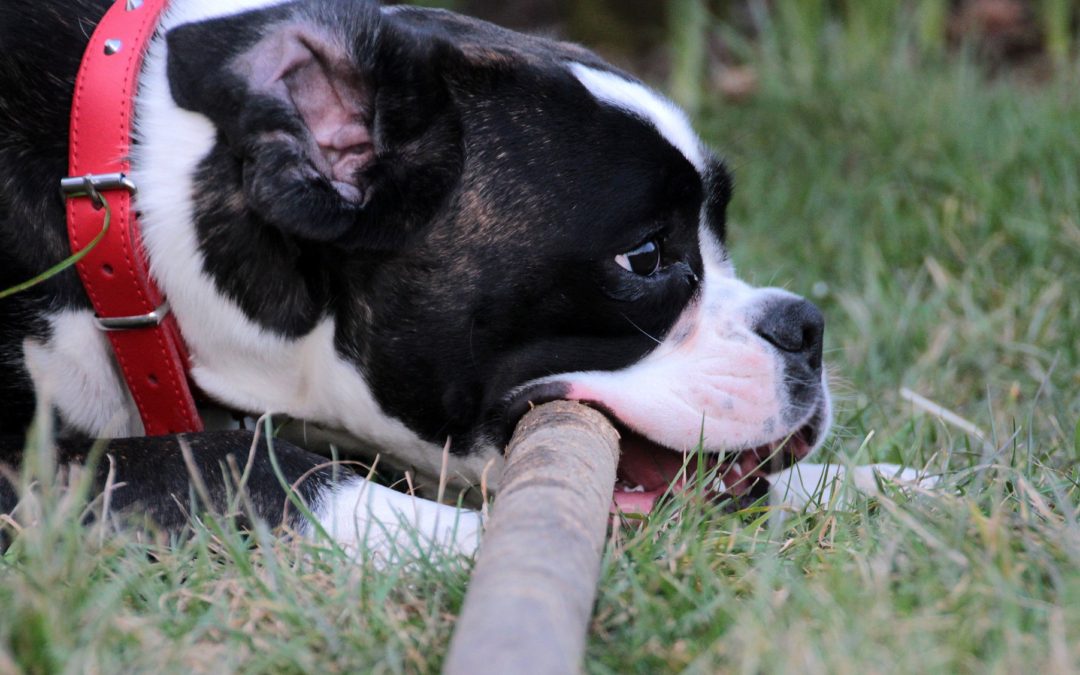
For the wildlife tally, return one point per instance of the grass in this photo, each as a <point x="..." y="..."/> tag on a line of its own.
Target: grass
<point x="935" y="216"/>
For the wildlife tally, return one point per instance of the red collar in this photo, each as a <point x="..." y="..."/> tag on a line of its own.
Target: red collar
<point x="129" y="307"/>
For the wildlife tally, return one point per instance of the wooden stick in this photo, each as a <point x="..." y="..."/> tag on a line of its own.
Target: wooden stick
<point x="531" y="595"/>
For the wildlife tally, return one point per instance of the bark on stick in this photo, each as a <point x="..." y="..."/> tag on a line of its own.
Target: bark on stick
<point x="531" y="595"/>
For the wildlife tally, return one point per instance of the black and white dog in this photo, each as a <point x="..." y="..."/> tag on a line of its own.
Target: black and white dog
<point x="403" y="226"/>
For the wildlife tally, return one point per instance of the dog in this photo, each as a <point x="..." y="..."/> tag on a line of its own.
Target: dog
<point x="403" y="227"/>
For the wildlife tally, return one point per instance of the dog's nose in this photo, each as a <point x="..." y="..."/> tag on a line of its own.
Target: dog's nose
<point x="795" y="326"/>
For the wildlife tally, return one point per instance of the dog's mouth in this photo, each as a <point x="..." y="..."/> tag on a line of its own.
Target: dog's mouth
<point x="648" y="471"/>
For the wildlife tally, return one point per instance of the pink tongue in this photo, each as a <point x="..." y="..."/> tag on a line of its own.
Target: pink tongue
<point x="647" y="469"/>
<point x="645" y="472"/>
<point x="644" y="463"/>
<point x="641" y="503"/>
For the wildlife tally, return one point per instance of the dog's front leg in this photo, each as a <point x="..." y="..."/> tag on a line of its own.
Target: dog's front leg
<point x="167" y="479"/>
<point x="806" y="484"/>
<point x="362" y="515"/>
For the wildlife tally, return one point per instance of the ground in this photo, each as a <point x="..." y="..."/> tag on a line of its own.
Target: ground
<point x="933" y="211"/>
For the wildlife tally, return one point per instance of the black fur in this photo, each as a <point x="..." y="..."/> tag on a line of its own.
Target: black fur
<point x="464" y="274"/>
<point x="36" y="84"/>
<point x="475" y="252"/>
<point x="153" y="483"/>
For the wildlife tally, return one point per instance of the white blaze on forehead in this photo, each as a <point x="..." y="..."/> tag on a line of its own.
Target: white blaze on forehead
<point x="641" y="101"/>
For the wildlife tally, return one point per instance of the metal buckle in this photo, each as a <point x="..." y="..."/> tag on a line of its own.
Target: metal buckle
<point x="154" y="318"/>
<point x="91" y="185"/>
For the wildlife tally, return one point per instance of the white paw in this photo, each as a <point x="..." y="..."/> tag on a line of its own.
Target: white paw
<point x="805" y="484"/>
<point x="365" y="517"/>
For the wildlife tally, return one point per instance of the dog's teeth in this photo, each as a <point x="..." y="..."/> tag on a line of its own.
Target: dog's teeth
<point x="623" y="486"/>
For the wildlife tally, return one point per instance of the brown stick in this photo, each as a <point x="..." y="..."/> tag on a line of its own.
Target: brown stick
<point x="531" y="595"/>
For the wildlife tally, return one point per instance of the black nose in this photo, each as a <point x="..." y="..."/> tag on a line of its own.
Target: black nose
<point x="795" y="326"/>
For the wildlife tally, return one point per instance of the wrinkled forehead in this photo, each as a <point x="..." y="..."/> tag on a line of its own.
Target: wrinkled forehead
<point x="485" y="42"/>
<point x="490" y="46"/>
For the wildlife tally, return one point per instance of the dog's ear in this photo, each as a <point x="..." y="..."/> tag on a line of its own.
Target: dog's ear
<point x="314" y="122"/>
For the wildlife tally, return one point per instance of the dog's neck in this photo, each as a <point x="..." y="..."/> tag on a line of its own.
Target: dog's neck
<point x="234" y="360"/>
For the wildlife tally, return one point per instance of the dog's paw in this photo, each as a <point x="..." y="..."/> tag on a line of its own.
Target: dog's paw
<point x="816" y="484"/>
<point x="368" y="519"/>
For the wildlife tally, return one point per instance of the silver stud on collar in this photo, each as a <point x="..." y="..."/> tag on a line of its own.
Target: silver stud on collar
<point x="113" y="46"/>
<point x="133" y="5"/>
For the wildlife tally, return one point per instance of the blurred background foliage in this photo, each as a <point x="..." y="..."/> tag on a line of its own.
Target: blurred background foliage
<point x="680" y="44"/>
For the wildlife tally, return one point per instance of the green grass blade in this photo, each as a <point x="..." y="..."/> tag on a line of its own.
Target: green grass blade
<point x="66" y="262"/>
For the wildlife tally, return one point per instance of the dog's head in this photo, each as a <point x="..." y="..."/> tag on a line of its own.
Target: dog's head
<point x="472" y="220"/>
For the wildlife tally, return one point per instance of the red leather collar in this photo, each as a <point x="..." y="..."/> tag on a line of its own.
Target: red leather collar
<point x="129" y="307"/>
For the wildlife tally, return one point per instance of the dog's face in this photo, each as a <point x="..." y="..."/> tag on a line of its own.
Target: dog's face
<point x="476" y="220"/>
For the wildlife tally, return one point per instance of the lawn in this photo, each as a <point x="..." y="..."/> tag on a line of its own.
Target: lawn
<point x="933" y="211"/>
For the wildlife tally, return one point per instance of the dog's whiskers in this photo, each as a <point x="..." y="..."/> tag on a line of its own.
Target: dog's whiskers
<point x="640" y="329"/>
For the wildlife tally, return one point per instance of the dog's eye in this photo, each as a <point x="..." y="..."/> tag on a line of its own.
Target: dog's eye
<point x="643" y="260"/>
